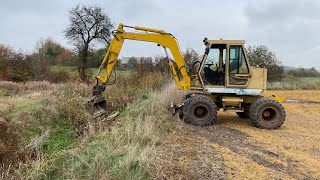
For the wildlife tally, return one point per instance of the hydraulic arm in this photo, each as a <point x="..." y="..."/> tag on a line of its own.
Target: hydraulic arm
<point x="97" y="105"/>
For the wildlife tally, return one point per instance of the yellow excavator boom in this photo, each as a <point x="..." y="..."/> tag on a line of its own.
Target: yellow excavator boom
<point x="97" y="105"/>
<point x="166" y="40"/>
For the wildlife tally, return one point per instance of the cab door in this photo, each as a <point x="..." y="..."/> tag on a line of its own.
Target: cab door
<point x="238" y="70"/>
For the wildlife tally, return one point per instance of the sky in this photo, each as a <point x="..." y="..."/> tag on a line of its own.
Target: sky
<point x="289" y="28"/>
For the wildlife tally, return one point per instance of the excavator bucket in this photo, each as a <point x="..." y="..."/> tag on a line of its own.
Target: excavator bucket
<point x="97" y="106"/>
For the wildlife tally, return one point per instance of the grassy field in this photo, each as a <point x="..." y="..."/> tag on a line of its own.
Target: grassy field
<point x="74" y="73"/>
<point x="295" y="83"/>
<point x="47" y="134"/>
<point x="310" y="79"/>
<point x="53" y="137"/>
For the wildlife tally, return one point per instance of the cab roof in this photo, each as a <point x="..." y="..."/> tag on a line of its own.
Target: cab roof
<point x="221" y="41"/>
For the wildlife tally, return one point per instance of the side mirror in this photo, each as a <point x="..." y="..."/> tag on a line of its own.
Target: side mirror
<point x="205" y="41"/>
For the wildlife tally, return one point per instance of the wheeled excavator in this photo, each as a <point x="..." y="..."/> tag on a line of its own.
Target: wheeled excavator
<point x="222" y="79"/>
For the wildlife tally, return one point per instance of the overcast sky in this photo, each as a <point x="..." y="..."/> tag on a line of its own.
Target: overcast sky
<point x="289" y="28"/>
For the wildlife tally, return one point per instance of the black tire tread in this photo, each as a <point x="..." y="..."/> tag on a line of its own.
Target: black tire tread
<point x="254" y="113"/>
<point x="194" y="99"/>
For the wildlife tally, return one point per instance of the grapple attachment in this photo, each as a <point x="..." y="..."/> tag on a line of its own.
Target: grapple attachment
<point x="97" y="105"/>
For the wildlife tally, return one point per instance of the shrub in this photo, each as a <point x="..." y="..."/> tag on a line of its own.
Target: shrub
<point x="303" y="72"/>
<point x="59" y="76"/>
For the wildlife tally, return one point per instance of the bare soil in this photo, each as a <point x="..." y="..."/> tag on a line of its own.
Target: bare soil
<point x="233" y="148"/>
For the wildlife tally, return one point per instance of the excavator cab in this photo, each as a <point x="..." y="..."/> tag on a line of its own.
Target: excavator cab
<point x="225" y="68"/>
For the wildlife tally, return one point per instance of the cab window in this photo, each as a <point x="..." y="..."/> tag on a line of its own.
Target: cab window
<point x="238" y="64"/>
<point x="213" y="57"/>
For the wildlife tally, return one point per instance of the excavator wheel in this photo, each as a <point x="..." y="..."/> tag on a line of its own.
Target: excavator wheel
<point x="185" y="97"/>
<point x="244" y="114"/>
<point x="199" y="110"/>
<point x="267" y="113"/>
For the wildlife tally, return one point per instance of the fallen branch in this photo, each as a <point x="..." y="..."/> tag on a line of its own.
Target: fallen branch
<point x="111" y="117"/>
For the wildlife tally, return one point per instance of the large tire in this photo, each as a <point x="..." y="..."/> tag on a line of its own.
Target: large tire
<point x="266" y="113"/>
<point x="244" y="114"/>
<point x="199" y="110"/>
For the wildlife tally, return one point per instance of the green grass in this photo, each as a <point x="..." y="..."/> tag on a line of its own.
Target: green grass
<point x="41" y="115"/>
<point x="61" y="137"/>
<point x="3" y="92"/>
<point x="118" y="153"/>
<point x="118" y="71"/>
<point x="74" y="73"/>
<point x="24" y="107"/>
<point x="63" y="142"/>
<point x="310" y="79"/>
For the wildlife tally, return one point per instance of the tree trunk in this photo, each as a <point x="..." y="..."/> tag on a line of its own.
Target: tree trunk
<point x="82" y="69"/>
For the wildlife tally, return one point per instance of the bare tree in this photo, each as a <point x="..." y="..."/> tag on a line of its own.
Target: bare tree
<point x="88" y="24"/>
<point x="263" y="57"/>
<point x="190" y="57"/>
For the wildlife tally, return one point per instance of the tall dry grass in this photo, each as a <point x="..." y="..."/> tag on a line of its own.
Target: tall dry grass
<point x="125" y="149"/>
<point x="29" y="85"/>
<point x="58" y="138"/>
<point x="291" y="84"/>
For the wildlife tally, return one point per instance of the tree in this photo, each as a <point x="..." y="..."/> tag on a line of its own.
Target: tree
<point x="63" y="57"/>
<point x="6" y="53"/>
<point x="132" y="62"/>
<point x="303" y="72"/>
<point x="88" y="24"/>
<point x="95" y="57"/>
<point x="161" y="64"/>
<point x="190" y="56"/>
<point x="261" y="56"/>
<point x="119" y="64"/>
<point x="49" y="50"/>
<point x="145" y="66"/>
<point x="14" y="66"/>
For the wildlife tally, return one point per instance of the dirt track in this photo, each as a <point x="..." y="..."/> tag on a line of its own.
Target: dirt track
<point x="233" y="148"/>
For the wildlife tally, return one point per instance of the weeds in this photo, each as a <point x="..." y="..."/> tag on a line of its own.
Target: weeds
<point x="58" y="139"/>
<point x="124" y="150"/>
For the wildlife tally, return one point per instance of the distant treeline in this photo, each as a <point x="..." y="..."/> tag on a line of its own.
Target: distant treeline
<point x="19" y="67"/>
<point x="303" y="72"/>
